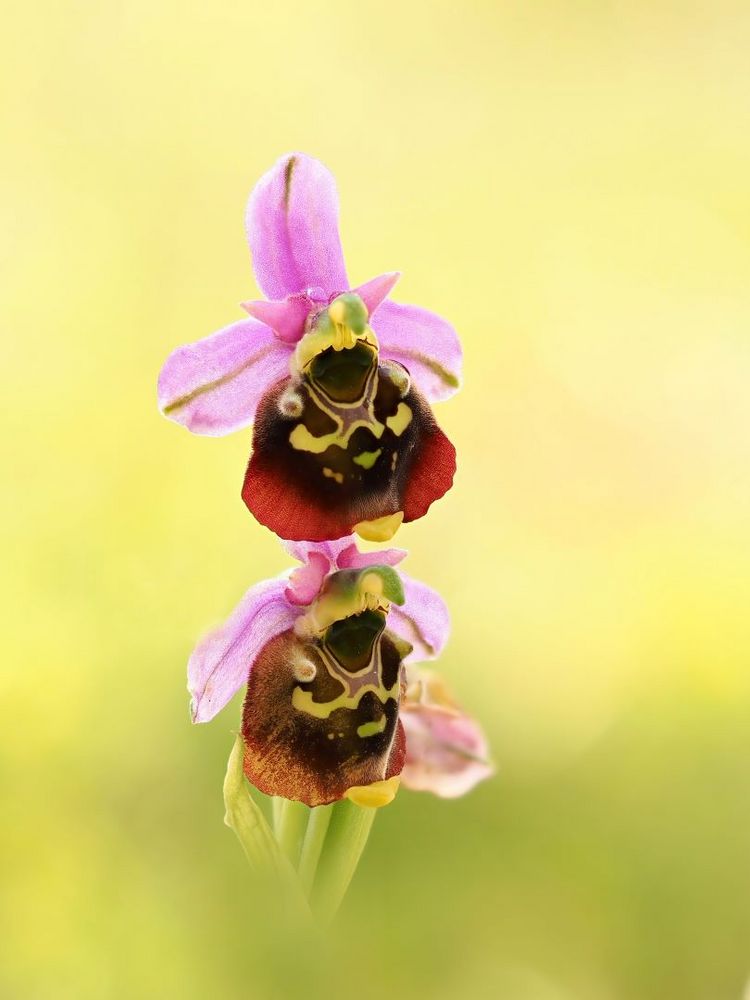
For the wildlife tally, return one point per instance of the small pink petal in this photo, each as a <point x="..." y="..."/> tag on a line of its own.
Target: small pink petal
<point x="373" y="292"/>
<point x="303" y="551"/>
<point x="422" y="620"/>
<point x="321" y="558"/>
<point x="351" y="558"/>
<point x="221" y="662"/>
<point x="422" y="342"/>
<point x="286" y="317"/>
<point x="306" y="580"/>
<point x="342" y="553"/>
<point x="292" y="229"/>
<point x="214" y="385"/>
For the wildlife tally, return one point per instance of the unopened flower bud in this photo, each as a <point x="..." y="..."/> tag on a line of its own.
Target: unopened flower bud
<point x="446" y="750"/>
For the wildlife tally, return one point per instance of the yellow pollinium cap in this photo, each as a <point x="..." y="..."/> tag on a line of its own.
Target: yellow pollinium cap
<point x="376" y="795"/>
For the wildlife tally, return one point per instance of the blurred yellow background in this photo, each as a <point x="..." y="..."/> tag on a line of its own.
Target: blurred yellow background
<point x="567" y="182"/>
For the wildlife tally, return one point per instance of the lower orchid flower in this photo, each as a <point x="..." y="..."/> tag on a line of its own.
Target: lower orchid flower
<point x="336" y="380"/>
<point x="446" y="750"/>
<point x="321" y="650"/>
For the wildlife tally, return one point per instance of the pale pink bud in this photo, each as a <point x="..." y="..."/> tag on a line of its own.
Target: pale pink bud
<point x="446" y="750"/>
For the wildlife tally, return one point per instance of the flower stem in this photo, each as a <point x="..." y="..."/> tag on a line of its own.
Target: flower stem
<point x="312" y="845"/>
<point x="348" y="831"/>
<point x="254" y="834"/>
<point x="291" y="829"/>
<point x="277" y="807"/>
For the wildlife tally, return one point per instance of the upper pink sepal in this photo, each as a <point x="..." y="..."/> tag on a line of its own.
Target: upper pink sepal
<point x="221" y="662"/>
<point x="424" y="343"/>
<point x="214" y="385"/>
<point x="292" y="227"/>
<point x="375" y="291"/>
<point x="423" y="620"/>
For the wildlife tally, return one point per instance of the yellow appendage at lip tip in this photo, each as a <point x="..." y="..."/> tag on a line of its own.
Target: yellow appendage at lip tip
<point x="376" y="795"/>
<point x="382" y="529"/>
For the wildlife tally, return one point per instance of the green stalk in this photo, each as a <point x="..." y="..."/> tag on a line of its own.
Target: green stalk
<point x="291" y="829"/>
<point x="277" y="808"/>
<point x="348" y="831"/>
<point x="312" y="845"/>
<point x="254" y="834"/>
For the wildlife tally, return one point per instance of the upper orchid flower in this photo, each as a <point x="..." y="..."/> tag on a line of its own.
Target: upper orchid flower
<point x="446" y="750"/>
<point x="323" y="671"/>
<point x="337" y="380"/>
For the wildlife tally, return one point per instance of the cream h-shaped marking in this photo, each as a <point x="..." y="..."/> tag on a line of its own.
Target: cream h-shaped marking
<point x="347" y="416"/>
<point x="356" y="687"/>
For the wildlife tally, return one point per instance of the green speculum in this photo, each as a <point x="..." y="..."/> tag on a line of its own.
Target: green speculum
<point x="352" y="640"/>
<point x="342" y="375"/>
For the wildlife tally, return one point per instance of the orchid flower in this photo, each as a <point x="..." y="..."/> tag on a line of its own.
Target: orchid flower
<point x="323" y="673"/>
<point x="446" y="750"/>
<point x="337" y="380"/>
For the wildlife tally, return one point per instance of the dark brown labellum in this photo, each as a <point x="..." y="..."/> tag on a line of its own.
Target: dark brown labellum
<point x="355" y="449"/>
<point x="321" y="716"/>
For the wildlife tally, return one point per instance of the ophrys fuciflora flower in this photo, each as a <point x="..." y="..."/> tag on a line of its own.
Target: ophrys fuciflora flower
<point x="321" y="649"/>
<point x="337" y="380"/>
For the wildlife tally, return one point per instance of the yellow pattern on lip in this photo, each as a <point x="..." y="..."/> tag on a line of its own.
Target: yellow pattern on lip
<point x="371" y="728"/>
<point x="303" y="700"/>
<point x="400" y="419"/>
<point x="367" y="458"/>
<point x="302" y="440"/>
<point x="330" y="474"/>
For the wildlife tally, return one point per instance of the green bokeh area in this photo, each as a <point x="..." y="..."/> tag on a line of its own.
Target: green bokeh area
<point x="567" y="182"/>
